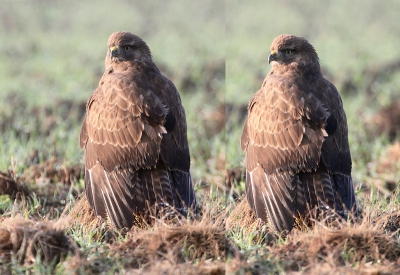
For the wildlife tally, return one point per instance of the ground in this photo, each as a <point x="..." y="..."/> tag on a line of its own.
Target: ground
<point x="51" y="59"/>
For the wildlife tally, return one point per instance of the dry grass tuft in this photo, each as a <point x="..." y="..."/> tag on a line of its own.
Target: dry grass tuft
<point x="166" y="267"/>
<point x="350" y="244"/>
<point x="81" y="214"/>
<point x="241" y="266"/>
<point x="51" y="171"/>
<point x="80" y="265"/>
<point x="83" y="217"/>
<point x="188" y="246"/>
<point x="11" y="186"/>
<point x="199" y="240"/>
<point x="243" y="217"/>
<point x="392" y="222"/>
<point x="364" y="269"/>
<point x="232" y="177"/>
<point x="29" y="241"/>
<point x="368" y="246"/>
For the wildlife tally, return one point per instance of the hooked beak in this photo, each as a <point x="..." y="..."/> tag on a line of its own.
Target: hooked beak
<point x="272" y="57"/>
<point x="113" y="52"/>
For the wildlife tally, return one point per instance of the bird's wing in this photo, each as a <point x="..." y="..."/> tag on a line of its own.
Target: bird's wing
<point x="284" y="130"/>
<point x="123" y="126"/>
<point x="282" y="137"/>
<point x="335" y="149"/>
<point x="174" y="145"/>
<point x="121" y="134"/>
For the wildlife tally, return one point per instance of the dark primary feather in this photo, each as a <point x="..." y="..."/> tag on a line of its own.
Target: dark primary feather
<point x="295" y="139"/>
<point x="134" y="136"/>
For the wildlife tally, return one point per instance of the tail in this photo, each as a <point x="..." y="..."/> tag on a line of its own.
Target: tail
<point x="274" y="197"/>
<point x="346" y="194"/>
<point x="120" y="194"/>
<point x="281" y="197"/>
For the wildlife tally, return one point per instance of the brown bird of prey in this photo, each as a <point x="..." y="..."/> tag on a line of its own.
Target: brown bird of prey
<point x="295" y="139"/>
<point x="134" y="136"/>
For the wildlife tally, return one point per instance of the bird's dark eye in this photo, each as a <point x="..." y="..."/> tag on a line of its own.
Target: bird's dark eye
<point x="128" y="48"/>
<point x="289" y="52"/>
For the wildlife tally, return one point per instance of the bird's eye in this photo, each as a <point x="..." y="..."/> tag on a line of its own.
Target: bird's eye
<point x="289" y="52"/>
<point x="128" y="48"/>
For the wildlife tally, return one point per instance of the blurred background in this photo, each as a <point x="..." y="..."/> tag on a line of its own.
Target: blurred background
<point x="357" y="43"/>
<point x="52" y="58"/>
<point x="215" y="51"/>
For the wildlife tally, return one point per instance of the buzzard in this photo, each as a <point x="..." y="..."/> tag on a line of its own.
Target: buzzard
<point x="134" y="137"/>
<point x="295" y="138"/>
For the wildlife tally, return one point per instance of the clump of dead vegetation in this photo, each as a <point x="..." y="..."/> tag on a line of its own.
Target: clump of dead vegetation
<point x="368" y="246"/>
<point x="53" y="170"/>
<point x="52" y="179"/>
<point x="82" y="215"/>
<point x="199" y="241"/>
<point x="50" y="182"/>
<point x="27" y="241"/>
<point x="160" y="245"/>
<point x="232" y="177"/>
<point x="11" y="186"/>
<point x="80" y="265"/>
<point x="243" y="217"/>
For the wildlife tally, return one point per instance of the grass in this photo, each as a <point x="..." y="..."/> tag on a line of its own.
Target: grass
<point x="51" y="59"/>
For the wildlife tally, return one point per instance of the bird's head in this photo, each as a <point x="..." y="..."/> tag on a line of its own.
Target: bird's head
<point x="125" y="46"/>
<point x="287" y="49"/>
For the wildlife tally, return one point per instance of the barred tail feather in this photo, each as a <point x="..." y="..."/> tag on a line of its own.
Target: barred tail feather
<point x="120" y="194"/>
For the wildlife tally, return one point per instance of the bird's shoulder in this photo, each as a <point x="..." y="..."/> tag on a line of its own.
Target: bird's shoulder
<point x="137" y="80"/>
<point x="281" y="97"/>
<point x="328" y="93"/>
